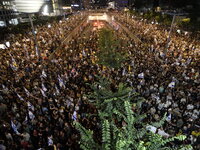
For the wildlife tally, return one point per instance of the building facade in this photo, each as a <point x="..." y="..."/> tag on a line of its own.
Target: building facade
<point x="8" y="13"/>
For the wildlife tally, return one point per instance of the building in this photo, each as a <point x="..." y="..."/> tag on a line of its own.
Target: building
<point x="57" y="7"/>
<point x="8" y="13"/>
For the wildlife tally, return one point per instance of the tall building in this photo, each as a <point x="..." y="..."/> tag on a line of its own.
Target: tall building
<point x="8" y="13"/>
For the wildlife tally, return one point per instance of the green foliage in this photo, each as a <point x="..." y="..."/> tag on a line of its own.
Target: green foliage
<point x="123" y="128"/>
<point x="109" y="100"/>
<point x="128" y="137"/>
<point x="160" y="123"/>
<point x="106" y="140"/>
<point x="86" y="142"/>
<point x="109" y="55"/>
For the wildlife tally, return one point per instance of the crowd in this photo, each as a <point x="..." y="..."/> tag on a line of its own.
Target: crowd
<point x="166" y="75"/>
<point x="39" y="100"/>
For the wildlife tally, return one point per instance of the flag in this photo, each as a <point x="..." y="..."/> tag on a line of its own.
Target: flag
<point x="20" y="97"/>
<point x="172" y="84"/>
<point x="50" y="141"/>
<point x="43" y="93"/>
<point x="31" y="115"/>
<point x="123" y="72"/>
<point x="169" y="117"/>
<point x="26" y="120"/>
<point x="151" y="128"/>
<point x="3" y="86"/>
<point x="141" y="75"/>
<point x="44" y="88"/>
<point x="37" y="52"/>
<point x="44" y="75"/>
<point x="13" y="64"/>
<point x="74" y="116"/>
<point x="84" y="54"/>
<point x="14" y="127"/>
<point x="61" y="82"/>
<point x="27" y="92"/>
<point x="30" y="106"/>
<point x="57" y="90"/>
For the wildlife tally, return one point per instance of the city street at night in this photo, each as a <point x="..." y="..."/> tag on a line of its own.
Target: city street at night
<point x="99" y="75"/>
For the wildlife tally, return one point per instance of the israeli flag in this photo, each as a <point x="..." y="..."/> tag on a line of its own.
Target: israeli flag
<point x="43" y="93"/>
<point x="50" y="141"/>
<point x="27" y="92"/>
<point x="3" y="86"/>
<point x="74" y="116"/>
<point x="172" y="84"/>
<point x="5" y="89"/>
<point x="169" y="117"/>
<point x="141" y="75"/>
<point x="61" y="82"/>
<point x="31" y="115"/>
<point x="13" y="64"/>
<point x="123" y="72"/>
<point x="26" y="120"/>
<point x="84" y="54"/>
<point x="20" y="97"/>
<point x="44" y="88"/>
<point x="44" y="75"/>
<point x="57" y="90"/>
<point x="30" y="106"/>
<point x="14" y="127"/>
<point x="151" y="128"/>
<point x="188" y="61"/>
<point x="14" y="68"/>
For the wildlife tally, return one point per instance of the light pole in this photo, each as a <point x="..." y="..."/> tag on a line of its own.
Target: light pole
<point x="126" y="10"/>
<point x="37" y="51"/>
<point x="169" y="36"/>
<point x="30" y="7"/>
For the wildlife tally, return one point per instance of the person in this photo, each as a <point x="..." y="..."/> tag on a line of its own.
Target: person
<point x="2" y="146"/>
<point x="43" y="98"/>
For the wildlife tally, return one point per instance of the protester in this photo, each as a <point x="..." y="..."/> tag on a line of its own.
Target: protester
<point x="40" y="100"/>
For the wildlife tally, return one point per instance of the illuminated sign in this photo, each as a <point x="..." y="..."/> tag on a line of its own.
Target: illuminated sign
<point x="98" y="17"/>
<point x="29" y="6"/>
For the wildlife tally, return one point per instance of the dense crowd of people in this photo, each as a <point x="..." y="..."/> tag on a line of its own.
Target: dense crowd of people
<point x="39" y="100"/>
<point x="166" y="75"/>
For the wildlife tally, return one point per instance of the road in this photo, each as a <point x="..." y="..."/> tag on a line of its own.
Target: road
<point x="84" y="28"/>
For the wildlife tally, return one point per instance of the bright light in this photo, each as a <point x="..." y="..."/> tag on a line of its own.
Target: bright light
<point x="2" y="24"/>
<point x="45" y="10"/>
<point x="8" y="44"/>
<point x="186" y="32"/>
<point x="49" y="26"/>
<point x="75" y="5"/>
<point x="29" y="6"/>
<point x="2" y="46"/>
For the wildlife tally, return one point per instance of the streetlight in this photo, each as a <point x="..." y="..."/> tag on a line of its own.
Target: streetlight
<point x="171" y="28"/>
<point x="35" y="38"/>
<point x="126" y="10"/>
<point x="30" y="7"/>
<point x="169" y="36"/>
